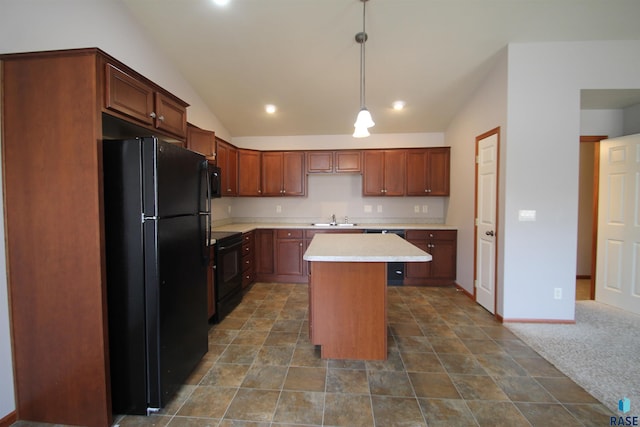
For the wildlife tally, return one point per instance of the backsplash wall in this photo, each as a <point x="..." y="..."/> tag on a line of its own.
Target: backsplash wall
<point x="326" y="195"/>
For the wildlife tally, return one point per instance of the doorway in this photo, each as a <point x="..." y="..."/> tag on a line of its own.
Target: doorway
<point x="486" y="219"/>
<point x="588" y="216"/>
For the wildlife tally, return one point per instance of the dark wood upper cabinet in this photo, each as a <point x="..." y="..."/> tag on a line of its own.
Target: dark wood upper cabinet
<point x="320" y="162"/>
<point x="201" y="141"/>
<point x="341" y="161"/>
<point x="348" y="161"/>
<point x="133" y="97"/>
<point x="227" y="161"/>
<point x="428" y="171"/>
<point x="283" y="173"/>
<point x="249" y="164"/>
<point x="383" y="172"/>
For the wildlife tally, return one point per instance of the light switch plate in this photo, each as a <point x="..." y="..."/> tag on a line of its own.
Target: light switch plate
<point x="526" y="215"/>
<point x="367" y="208"/>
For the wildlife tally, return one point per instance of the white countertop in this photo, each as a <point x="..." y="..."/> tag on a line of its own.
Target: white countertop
<point x="363" y="248"/>
<point x="249" y="226"/>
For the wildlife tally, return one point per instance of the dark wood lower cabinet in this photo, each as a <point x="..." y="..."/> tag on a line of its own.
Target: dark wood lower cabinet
<point x="441" y="270"/>
<point x="248" y="259"/>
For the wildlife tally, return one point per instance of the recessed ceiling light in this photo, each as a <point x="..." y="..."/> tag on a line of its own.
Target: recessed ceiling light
<point x="221" y="2"/>
<point x="270" y="108"/>
<point x="398" y="105"/>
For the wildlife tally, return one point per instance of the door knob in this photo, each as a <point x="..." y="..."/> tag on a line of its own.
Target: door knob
<point x="489" y="233"/>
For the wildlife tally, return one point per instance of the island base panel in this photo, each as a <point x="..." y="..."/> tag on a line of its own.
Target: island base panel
<point x="348" y="309"/>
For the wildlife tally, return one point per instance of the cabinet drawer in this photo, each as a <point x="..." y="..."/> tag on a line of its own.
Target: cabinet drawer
<point x="431" y="234"/>
<point x="247" y="249"/>
<point x="247" y="238"/>
<point x="248" y="277"/>
<point x="289" y="234"/>
<point x="247" y="263"/>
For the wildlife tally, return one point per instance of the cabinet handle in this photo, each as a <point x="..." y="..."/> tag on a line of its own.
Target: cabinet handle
<point x="152" y="115"/>
<point x="161" y="118"/>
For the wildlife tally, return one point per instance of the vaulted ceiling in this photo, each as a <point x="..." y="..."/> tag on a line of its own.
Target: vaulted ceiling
<point x="301" y="55"/>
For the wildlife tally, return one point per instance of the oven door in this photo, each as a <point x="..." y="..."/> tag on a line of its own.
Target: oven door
<point x="228" y="276"/>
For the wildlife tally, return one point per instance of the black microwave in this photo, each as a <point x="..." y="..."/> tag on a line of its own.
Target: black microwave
<point x="215" y="178"/>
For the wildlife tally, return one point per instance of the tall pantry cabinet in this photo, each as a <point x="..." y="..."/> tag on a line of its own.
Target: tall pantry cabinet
<point x="54" y="117"/>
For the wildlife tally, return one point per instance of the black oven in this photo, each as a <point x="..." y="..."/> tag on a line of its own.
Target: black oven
<point x="228" y="272"/>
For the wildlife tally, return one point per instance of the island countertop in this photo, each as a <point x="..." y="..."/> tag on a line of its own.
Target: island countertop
<point x="363" y="248"/>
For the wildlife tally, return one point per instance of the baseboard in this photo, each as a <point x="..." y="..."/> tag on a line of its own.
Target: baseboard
<point x="558" y="321"/>
<point x="8" y="419"/>
<point x="463" y="290"/>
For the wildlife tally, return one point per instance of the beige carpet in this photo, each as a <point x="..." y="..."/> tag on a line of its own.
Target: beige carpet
<point x="600" y="352"/>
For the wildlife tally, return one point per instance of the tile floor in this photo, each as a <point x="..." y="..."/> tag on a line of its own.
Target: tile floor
<point x="450" y="364"/>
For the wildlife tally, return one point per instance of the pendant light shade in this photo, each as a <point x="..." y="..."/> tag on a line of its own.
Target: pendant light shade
<point x="361" y="132"/>
<point x="364" y="120"/>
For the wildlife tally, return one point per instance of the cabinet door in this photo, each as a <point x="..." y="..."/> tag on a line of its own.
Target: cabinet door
<point x="373" y="173"/>
<point x="418" y="270"/>
<point x="443" y="250"/>
<point x="249" y="173"/>
<point x="438" y="171"/>
<point x="264" y="252"/>
<point x="272" y="173"/>
<point x="319" y="162"/>
<point x="201" y="141"/>
<point x="348" y="161"/>
<point x="129" y="96"/>
<point x="417" y="173"/>
<point x="293" y="176"/>
<point x="289" y="254"/>
<point x="227" y="160"/>
<point x="170" y="115"/>
<point x="394" y="172"/>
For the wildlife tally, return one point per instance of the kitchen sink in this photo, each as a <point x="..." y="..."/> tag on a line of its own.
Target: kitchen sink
<point x="327" y="224"/>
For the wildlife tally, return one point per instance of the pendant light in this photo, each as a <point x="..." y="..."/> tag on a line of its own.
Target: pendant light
<point x="364" y="120"/>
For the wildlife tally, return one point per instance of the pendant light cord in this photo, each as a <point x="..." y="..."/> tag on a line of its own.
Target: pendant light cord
<point x="362" y="62"/>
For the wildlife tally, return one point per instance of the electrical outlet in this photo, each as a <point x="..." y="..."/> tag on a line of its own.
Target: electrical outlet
<point x="278" y="208"/>
<point x="379" y="208"/>
<point x="368" y="208"/>
<point x="416" y="208"/>
<point x="425" y="208"/>
<point x="229" y="209"/>
<point x="557" y="293"/>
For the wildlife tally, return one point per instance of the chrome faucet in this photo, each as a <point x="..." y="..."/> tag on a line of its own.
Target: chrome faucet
<point x="333" y="219"/>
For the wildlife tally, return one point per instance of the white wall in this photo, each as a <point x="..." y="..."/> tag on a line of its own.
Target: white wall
<point x="485" y="111"/>
<point x="541" y="159"/>
<point x="631" y="120"/>
<point x="602" y="122"/>
<point x="33" y="25"/>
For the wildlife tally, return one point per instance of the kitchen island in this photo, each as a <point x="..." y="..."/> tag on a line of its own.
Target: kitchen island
<point x="348" y="292"/>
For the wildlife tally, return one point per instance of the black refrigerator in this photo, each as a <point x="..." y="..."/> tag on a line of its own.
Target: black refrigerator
<point x="157" y="226"/>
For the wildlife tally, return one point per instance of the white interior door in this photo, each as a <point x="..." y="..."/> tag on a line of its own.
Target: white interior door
<point x="486" y="225"/>
<point x="618" y="260"/>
